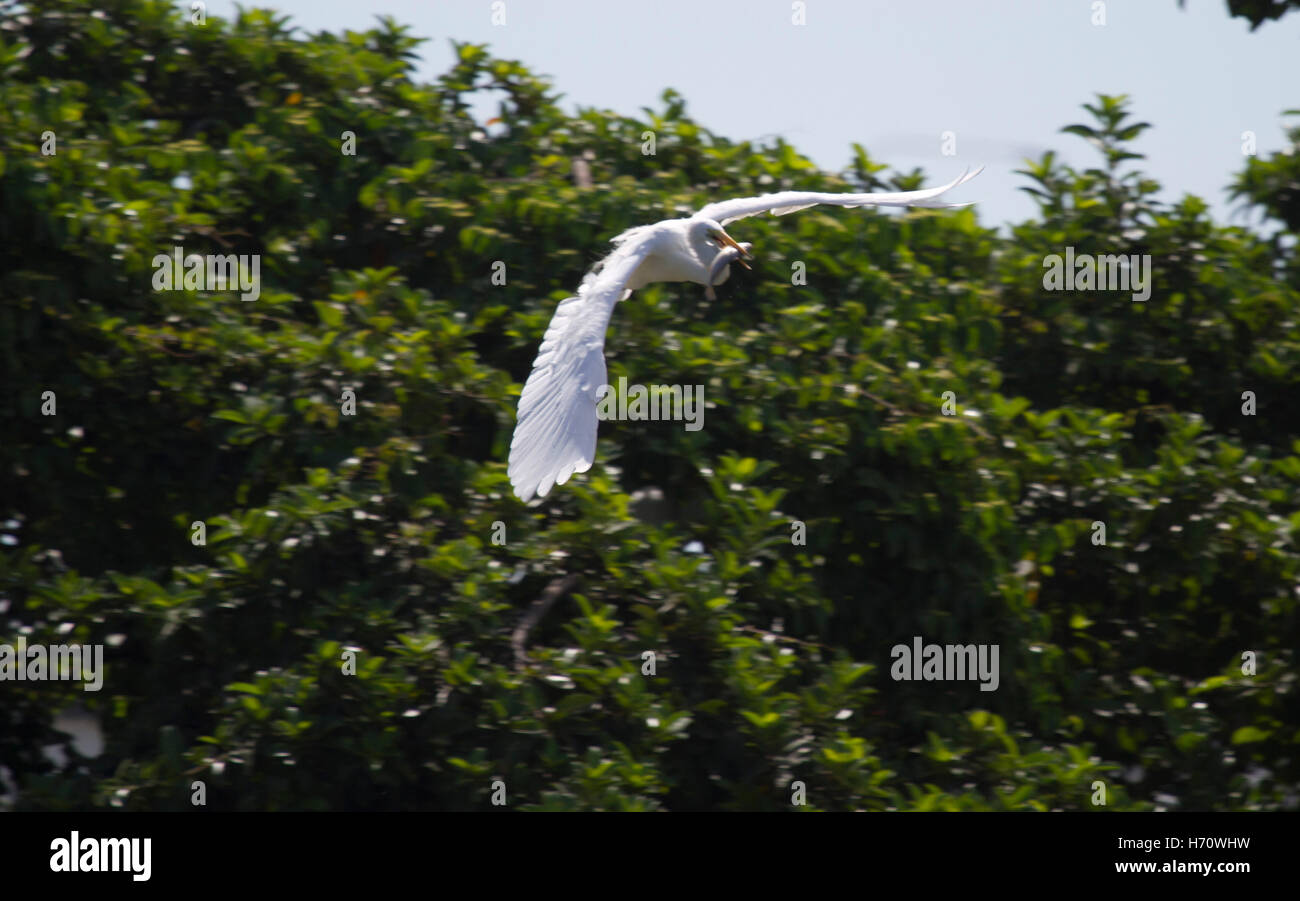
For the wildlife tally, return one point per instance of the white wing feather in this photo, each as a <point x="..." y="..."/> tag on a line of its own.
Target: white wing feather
<point x="793" y="201"/>
<point x="555" y="431"/>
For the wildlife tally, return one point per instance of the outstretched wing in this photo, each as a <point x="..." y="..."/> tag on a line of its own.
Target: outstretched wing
<point x="555" y="430"/>
<point x="793" y="201"/>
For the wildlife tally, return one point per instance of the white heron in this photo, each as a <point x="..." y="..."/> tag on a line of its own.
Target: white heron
<point x="555" y="430"/>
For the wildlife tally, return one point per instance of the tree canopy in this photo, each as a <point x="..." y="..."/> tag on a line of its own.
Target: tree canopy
<point x="836" y="503"/>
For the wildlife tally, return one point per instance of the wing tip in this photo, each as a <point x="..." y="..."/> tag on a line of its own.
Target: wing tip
<point x="527" y="487"/>
<point x="934" y="203"/>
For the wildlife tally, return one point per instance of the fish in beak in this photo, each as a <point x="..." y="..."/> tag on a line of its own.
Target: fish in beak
<point x="730" y="253"/>
<point x="727" y="241"/>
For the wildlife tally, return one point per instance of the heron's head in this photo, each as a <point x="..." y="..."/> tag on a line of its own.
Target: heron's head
<point x="717" y="250"/>
<point x="715" y="238"/>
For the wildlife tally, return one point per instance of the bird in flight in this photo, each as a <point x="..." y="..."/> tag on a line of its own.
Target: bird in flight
<point x="555" y="429"/>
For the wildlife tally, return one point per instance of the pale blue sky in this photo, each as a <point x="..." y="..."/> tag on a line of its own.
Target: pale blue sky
<point x="1005" y="75"/>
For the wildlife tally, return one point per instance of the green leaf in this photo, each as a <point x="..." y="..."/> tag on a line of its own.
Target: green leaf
<point x="1248" y="734"/>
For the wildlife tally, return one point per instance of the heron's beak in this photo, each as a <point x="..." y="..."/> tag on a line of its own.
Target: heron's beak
<point x="729" y="241"/>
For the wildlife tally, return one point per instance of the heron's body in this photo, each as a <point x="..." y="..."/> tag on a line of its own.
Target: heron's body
<point x="555" y="433"/>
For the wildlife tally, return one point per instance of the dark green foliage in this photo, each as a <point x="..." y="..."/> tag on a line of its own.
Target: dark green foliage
<point x="1257" y="12"/>
<point x="1274" y="183"/>
<point x="373" y="533"/>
